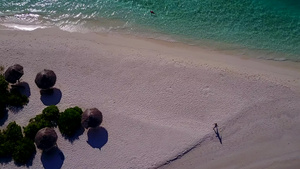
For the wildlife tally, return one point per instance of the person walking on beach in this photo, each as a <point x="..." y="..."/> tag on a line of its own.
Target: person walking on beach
<point x="216" y="130"/>
<point x="216" y="127"/>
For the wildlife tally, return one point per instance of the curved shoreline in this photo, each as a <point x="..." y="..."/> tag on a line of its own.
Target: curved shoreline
<point x="218" y="46"/>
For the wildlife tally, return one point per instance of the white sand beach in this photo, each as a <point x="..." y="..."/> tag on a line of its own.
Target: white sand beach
<point x="159" y="101"/>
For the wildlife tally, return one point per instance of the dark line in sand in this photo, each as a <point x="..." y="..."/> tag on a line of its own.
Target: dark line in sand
<point x="207" y="137"/>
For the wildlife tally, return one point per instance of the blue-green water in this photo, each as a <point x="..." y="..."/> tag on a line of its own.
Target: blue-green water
<point x="271" y="27"/>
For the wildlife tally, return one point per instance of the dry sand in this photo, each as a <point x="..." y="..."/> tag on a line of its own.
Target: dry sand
<point x="160" y="101"/>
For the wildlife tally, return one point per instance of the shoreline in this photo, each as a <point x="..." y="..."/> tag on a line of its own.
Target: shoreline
<point x="155" y="36"/>
<point x="158" y="98"/>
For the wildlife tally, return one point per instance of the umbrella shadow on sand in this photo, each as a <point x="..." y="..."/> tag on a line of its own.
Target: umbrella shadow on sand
<point x="51" y="96"/>
<point x="97" y="137"/>
<point x="53" y="159"/>
<point x="5" y="160"/>
<point x="19" y="89"/>
<point x="23" y="88"/>
<point x="3" y="118"/>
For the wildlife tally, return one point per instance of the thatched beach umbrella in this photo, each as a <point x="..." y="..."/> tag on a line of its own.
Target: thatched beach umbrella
<point x="91" y="118"/>
<point x="45" y="79"/>
<point x="13" y="73"/>
<point x="45" y="138"/>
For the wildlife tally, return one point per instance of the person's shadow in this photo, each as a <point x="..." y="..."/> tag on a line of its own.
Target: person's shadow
<point x="51" y="96"/>
<point x="216" y="130"/>
<point x="97" y="137"/>
<point x="53" y="159"/>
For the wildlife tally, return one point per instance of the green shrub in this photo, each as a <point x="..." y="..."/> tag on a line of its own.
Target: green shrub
<point x="3" y="85"/>
<point x="2" y="138"/>
<point x="35" y="124"/>
<point x="24" y="151"/>
<point x="78" y="109"/>
<point x="70" y="121"/>
<point x="51" y="113"/>
<point x="13" y="98"/>
<point x="48" y="118"/>
<point x="16" y="99"/>
<point x="13" y="132"/>
<point x="13" y="144"/>
<point x="9" y="138"/>
<point x="6" y="149"/>
<point x="3" y="95"/>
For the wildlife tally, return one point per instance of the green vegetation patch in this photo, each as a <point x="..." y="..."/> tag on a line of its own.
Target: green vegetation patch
<point x="16" y="99"/>
<point x="35" y="124"/>
<point x="48" y="118"/>
<point x="11" y="98"/>
<point x="13" y="144"/>
<point x="70" y="121"/>
<point x="51" y="113"/>
<point x="3" y="96"/>
<point x="24" y="151"/>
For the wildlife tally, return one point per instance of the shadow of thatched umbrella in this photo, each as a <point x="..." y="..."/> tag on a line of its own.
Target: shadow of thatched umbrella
<point x="91" y="118"/>
<point x="13" y="73"/>
<point x="97" y="137"/>
<point x="53" y="159"/>
<point x="45" y="138"/>
<point x="45" y="79"/>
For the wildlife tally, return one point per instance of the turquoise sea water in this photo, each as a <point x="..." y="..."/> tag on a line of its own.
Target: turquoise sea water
<point x="269" y="27"/>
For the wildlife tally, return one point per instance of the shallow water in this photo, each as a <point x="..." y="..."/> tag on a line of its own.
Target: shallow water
<point x="268" y="27"/>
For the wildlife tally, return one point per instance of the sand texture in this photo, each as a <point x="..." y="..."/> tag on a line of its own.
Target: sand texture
<point x="159" y="100"/>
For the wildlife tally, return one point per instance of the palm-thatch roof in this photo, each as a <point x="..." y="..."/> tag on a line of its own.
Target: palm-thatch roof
<point x="91" y="118"/>
<point x="45" y="79"/>
<point x="13" y="73"/>
<point x="45" y="138"/>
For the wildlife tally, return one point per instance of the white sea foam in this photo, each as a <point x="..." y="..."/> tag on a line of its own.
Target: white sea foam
<point x="24" y="27"/>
